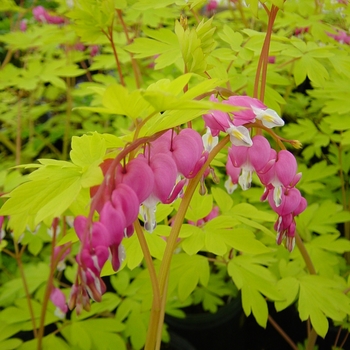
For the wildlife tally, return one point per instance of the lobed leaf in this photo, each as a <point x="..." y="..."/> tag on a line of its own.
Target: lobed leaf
<point x="187" y="271"/>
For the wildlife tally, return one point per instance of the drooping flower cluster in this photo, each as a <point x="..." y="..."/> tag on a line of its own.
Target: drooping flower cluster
<point x="159" y="173"/>
<point x="342" y="37"/>
<point x="43" y="16"/>
<point x="211" y="6"/>
<point x="299" y="31"/>
<point x="156" y="175"/>
<point x="276" y="170"/>
<point x="233" y="123"/>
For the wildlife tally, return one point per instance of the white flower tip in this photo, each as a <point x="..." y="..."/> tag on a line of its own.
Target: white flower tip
<point x="230" y="186"/>
<point x="209" y="141"/>
<point x="277" y="195"/>
<point x="59" y="313"/>
<point x="290" y="243"/>
<point x="268" y="117"/>
<point x="245" y="179"/>
<point x="239" y="136"/>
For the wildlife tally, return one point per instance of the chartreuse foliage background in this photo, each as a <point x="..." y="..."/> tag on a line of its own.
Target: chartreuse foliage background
<point x="64" y="109"/>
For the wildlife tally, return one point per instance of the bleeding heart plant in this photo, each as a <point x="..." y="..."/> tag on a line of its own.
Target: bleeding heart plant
<point x="167" y="108"/>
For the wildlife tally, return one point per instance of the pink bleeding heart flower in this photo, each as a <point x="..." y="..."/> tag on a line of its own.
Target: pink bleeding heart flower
<point x="290" y="200"/>
<point x="113" y="220"/>
<point x="250" y="159"/>
<point x="233" y="176"/>
<point x="41" y="15"/>
<point x="212" y="5"/>
<point x="23" y="25"/>
<point x="105" y="196"/>
<point x="161" y="145"/>
<point x="138" y="175"/>
<point x="292" y="204"/>
<point x="280" y="171"/>
<point x="165" y="174"/>
<point x="187" y="149"/>
<point x="216" y="120"/>
<point x="125" y="199"/>
<point x="79" y="46"/>
<point x="94" y="49"/>
<point x="245" y="115"/>
<point x="91" y="263"/>
<point x="93" y="255"/>
<point x="79" y="298"/>
<point x="55" y="19"/>
<point x="285" y="227"/>
<point x="59" y="300"/>
<point x="254" y="109"/>
<point x="342" y="37"/>
<point x="301" y="30"/>
<point x="301" y="207"/>
<point x="61" y="251"/>
<point x="117" y="255"/>
<point x="93" y="237"/>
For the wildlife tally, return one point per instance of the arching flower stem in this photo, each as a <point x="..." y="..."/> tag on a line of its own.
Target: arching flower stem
<point x="149" y="263"/>
<point x="99" y="194"/>
<point x="154" y="330"/>
<point x="263" y="59"/>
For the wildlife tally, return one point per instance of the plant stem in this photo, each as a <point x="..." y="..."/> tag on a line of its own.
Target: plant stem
<point x="344" y="341"/>
<point x="304" y="253"/>
<point x="87" y="72"/>
<point x="19" y="129"/>
<point x="109" y="36"/>
<point x="49" y="285"/>
<point x="267" y="42"/>
<point x="66" y="135"/>
<point x="263" y="59"/>
<point x="156" y="305"/>
<point x="18" y="256"/>
<point x="148" y="258"/>
<point x="154" y="331"/>
<point x="241" y="12"/>
<point x="337" y="337"/>
<point x="282" y="333"/>
<point x="135" y="67"/>
<point x="162" y="314"/>
<point x="7" y="59"/>
<point x="311" y="340"/>
<point x="312" y="336"/>
<point x="344" y="198"/>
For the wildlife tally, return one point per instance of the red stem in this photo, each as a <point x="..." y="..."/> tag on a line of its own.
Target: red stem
<point x="263" y="59"/>
<point x="109" y="36"/>
<point x="135" y="67"/>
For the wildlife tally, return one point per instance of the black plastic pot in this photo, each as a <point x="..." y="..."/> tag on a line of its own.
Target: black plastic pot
<point x="210" y="331"/>
<point x="177" y="343"/>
